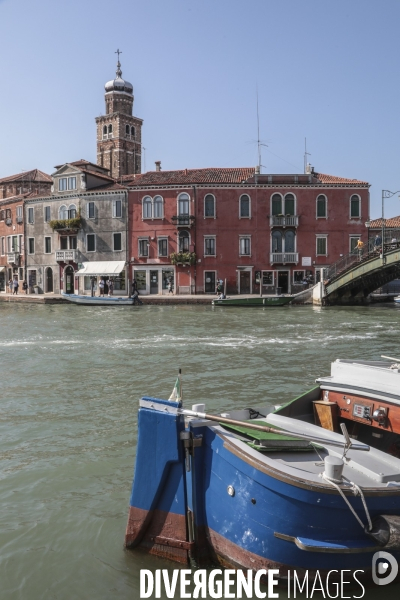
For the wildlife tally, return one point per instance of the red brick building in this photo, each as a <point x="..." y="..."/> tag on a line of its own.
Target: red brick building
<point x="14" y="190"/>
<point x="194" y="227"/>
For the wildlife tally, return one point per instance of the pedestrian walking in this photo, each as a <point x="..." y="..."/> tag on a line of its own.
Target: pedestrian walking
<point x="25" y="286"/>
<point x="10" y="286"/>
<point x="170" y="286"/>
<point x="15" y="286"/>
<point x="101" y="287"/>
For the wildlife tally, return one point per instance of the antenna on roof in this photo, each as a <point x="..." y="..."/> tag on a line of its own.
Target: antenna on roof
<point x="258" y="137"/>
<point x="305" y="155"/>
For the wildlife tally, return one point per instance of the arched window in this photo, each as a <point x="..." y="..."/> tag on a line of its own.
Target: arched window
<point x="63" y="212"/>
<point x="49" y="280"/>
<point x="276" y="205"/>
<point x="147" y="205"/>
<point x="321" y="207"/>
<point x="277" y="241"/>
<point x="127" y="129"/>
<point x="183" y="204"/>
<point x="109" y="129"/>
<point x="71" y="211"/>
<point x="289" y="205"/>
<point x="209" y="206"/>
<point x="184" y="241"/>
<point x="132" y="132"/>
<point x="158" y="207"/>
<point x="289" y="241"/>
<point x="244" y="210"/>
<point x="105" y="131"/>
<point x="355" y="208"/>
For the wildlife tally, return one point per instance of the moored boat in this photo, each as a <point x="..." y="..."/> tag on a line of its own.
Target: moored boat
<point x="99" y="300"/>
<point x="253" y="301"/>
<point x="287" y="490"/>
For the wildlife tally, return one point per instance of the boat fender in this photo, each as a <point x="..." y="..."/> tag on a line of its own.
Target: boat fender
<point x="386" y="531"/>
<point x="333" y="469"/>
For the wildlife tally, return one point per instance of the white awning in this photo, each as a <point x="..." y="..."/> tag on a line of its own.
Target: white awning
<point x="2" y="269"/>
<point x="102" y="267"/>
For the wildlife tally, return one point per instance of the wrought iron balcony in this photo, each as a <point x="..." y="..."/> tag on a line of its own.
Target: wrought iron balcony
<point x="183" y="220"/>
<point x="13" y="258"/>
<point x="19" y="219"/>
<point x="8" y="221"/>
<point x="65" y="255"/>
<point x="284" y="221"/>
<point x="284" y="257"/>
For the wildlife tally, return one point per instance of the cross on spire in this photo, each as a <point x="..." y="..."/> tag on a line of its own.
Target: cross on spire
<point x="118" y="71"/>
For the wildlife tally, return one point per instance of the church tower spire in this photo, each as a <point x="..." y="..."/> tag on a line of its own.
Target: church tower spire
<point x="119" y="133"/>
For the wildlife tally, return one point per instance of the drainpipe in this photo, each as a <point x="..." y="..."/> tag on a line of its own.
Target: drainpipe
<point x="194" y="249"/>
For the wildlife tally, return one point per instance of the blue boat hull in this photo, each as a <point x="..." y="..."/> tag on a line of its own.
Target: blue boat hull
<point x="271" y="520"/>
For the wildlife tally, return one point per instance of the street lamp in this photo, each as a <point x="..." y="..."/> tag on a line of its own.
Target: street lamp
<point x="368" y="225"/>
<point x="385" y="194"/>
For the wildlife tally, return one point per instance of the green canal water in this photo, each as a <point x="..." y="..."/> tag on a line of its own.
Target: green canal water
<point x="71" y="378"/>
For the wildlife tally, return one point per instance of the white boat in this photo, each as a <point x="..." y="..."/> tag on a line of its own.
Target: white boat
<point x="397" y="299"/>
<point x="99" y="300"/>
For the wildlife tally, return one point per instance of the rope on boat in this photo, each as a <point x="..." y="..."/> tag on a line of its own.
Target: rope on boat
<point x="356" y="491"/>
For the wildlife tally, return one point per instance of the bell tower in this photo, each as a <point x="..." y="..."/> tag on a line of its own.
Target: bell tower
<point x="119" y="133"/>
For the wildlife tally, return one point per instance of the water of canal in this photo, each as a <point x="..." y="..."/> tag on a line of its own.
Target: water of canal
<point x="71" y="378"/>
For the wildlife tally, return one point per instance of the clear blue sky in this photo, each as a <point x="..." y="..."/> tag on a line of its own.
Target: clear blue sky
<point x="325" y="71"/>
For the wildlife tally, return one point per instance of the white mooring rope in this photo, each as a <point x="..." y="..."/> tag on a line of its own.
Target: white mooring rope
<point x="356" y="491"/>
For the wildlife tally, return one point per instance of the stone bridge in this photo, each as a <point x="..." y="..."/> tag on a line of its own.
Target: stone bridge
<point x="351" y="279"/>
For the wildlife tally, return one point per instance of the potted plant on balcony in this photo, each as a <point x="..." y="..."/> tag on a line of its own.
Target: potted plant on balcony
<point x="183" y="258"/>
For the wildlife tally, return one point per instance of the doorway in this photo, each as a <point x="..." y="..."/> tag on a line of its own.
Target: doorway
<point x="49" y="280"/>
<point x="244" y="282"/>
<point x="153" y="282"/>
<point x="69" y="280"/>
<point x="209" y="282"/>
<point x="283" y="281"/>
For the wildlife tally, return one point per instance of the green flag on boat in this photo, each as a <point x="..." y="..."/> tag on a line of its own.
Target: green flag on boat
<point x="177" y="391"/>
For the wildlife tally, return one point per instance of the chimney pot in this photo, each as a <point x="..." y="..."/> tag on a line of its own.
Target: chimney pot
<point x="158" y="165"/>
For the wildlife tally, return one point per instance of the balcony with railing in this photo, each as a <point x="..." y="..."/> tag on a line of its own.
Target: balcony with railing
<point x="65" y="255"/>
<point x="19" y="219"/>
<point x="8" y="221"/>
<point x="183" y="220"/>
<point x="284" y="258"/>
<point x="284" y="221"/>
<point x="13" y="258"/>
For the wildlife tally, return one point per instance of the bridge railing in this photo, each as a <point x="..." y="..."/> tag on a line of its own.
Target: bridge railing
<point x="359" y="255"/>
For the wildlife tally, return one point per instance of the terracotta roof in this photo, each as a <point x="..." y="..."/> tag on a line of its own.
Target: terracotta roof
<point x="377" y="223"/>
<point x="333" y="179"/>
<point x="33" y="176"/>
<point x="81" y="163"/>
<point x="96" y="174"/>
<point x="108" y="186"/>
<point x="18" y="198"/>
<point x="190" y="176"/>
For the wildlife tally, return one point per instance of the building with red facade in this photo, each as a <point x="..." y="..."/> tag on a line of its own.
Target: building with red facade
<point x="14" y="190"/>
<point x="194" y="227"/>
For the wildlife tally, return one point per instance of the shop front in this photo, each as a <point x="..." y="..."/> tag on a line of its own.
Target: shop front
<point x="154" y="280"/>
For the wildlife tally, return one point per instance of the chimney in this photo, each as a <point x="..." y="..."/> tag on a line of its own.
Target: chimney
<point x="158" y="165"/>
<point x="257" y="170"/>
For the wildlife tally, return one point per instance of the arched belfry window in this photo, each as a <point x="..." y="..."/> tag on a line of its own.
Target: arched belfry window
<point x="184" y="241"/>
<point x="209" y="206"/>
<point x="105" y="131"/>
<point x="244" y="207"/>
<point x="132" y="132"/>
<point x="127" y="129"/>
<point x="110" y="129"/>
